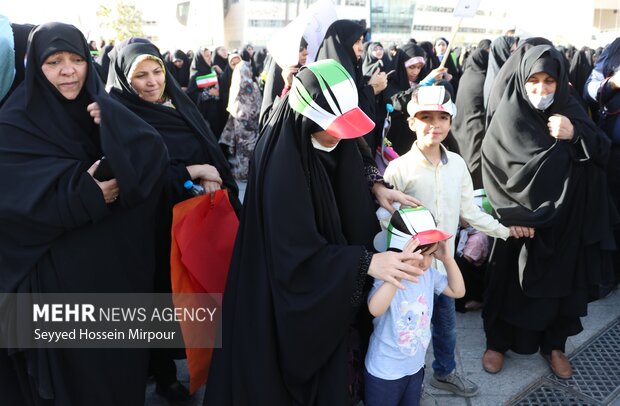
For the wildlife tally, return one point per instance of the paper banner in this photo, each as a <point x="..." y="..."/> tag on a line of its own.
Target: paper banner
<point x="466" y="8"/>
<point x="312" y="24"/>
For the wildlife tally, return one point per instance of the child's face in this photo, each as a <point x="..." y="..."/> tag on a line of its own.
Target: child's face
<point x="431" y="127"/>
<point x="428" y="255"/>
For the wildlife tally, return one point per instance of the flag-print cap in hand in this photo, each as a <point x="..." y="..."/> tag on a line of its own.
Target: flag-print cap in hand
<point x="324" y="92"/>
<point x="414" y="222"/>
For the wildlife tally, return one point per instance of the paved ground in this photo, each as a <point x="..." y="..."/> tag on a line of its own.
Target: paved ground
<point x="525" y="380"/>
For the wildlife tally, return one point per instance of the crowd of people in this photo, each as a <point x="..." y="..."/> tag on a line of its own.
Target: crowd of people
<point x="499" y="194"/>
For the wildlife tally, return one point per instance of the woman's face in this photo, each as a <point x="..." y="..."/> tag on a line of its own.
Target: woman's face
<point x="223" y="52"/>
<point x="540" y="84"/>
<point x="303" y="56"/>
<point x="358" y="47"/>
<point x="413" y="71"/>
<point x="234" y="62"/>
<point x="206" y="54"/>
<point x="67" y="72"/>
<point x="440" y="47"/>
<point x="377" y="51"/>
<point x="149" y="80"/>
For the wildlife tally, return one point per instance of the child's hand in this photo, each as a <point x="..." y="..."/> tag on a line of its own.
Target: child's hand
<point x="443" y="251"/>
<point x="412" y="247"/>
<point x="521" y="231"/>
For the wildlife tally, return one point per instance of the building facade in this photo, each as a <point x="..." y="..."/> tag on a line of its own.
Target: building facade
<point x="258" y="21"/>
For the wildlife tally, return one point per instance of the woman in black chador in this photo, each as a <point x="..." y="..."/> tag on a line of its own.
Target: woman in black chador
<point x="141" y="83"/>
<point x="302" y="254"/>
<point x="62" y="231"/>
<point x="468" y="126"/>
<point x="543" y="163"/>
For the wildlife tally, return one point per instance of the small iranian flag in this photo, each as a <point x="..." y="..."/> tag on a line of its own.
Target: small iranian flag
<point x="206" y="80"/>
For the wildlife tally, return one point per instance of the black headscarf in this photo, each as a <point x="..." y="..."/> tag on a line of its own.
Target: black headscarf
<point x="432" y="61"/>
<point x="370" y="63"/>
<point x="451" y="66"/>
<point x="468" y="126"/>
<point x="102" y="62"/>
<point x="57" y="234"/>
<point x="501" y="49"/>
<point x="185" y="132"/>
<point x="245" y="55"/>
<point x="199" y="65"/>
<point x="181" y="75"/>
<point x="534" y="180"/>
<point x="399" y="79"/>
<point x="579" y="71"/>
<point x="484" y="44"/>
<point x="20" y="40"/>
<point x="504" y="80"/>
<point x="274" y="84"/>
<point x="219" y="60"/>
<point x="338" y="45"/>
<point x="307" y="215"/>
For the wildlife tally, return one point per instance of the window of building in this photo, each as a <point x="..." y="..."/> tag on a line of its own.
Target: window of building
<point x="183" y="12"/>
<point x="358" y="3"/>
<point x="266" y="23"/>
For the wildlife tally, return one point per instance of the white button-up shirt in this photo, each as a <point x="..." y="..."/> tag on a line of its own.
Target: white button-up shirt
<point x="446" y="190"/>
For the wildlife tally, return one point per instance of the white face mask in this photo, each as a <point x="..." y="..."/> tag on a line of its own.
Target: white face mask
<point x="320" y="147"/>
<point x="541" y="102"/>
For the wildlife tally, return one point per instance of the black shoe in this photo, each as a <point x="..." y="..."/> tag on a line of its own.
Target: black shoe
<point x="175" y="392"/>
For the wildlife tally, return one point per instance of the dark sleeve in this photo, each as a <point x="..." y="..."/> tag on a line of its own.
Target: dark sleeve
<point x="367" y="101"/>
<point x="591" y="142"/>
<point x="177" y="175"/>
<point x="192" y="90"/>
<point x="358" y="294"/>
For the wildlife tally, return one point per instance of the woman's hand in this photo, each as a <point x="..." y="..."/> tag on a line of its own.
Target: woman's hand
<point x="521" y="231"/>
<point x="288" y="73"/>
<point x="109" y="188"/>
<point x="438" y="74"/>
<point x="95" y="112"/>
<point x="560" y="127"/>
<point x="392" y="267"/>
<point x="386" y="196"/>
<point x="210" y="186"/>
<point x="378" y="81"/>
<point x="205" y="173"/>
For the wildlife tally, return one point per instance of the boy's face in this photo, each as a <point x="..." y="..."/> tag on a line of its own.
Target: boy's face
<point x="431" y="127"/>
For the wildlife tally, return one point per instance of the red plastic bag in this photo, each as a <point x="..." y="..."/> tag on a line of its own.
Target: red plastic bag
<point x="203" y="235"/>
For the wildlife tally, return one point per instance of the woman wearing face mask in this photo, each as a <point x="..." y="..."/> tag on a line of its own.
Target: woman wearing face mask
<point x="543" y="165"/>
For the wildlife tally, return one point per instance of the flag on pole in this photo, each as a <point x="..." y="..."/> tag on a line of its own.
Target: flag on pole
<point x="206" y="80"/>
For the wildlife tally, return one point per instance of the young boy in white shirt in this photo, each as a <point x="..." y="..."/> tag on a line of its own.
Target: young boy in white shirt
<point x="440" y="180"/>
